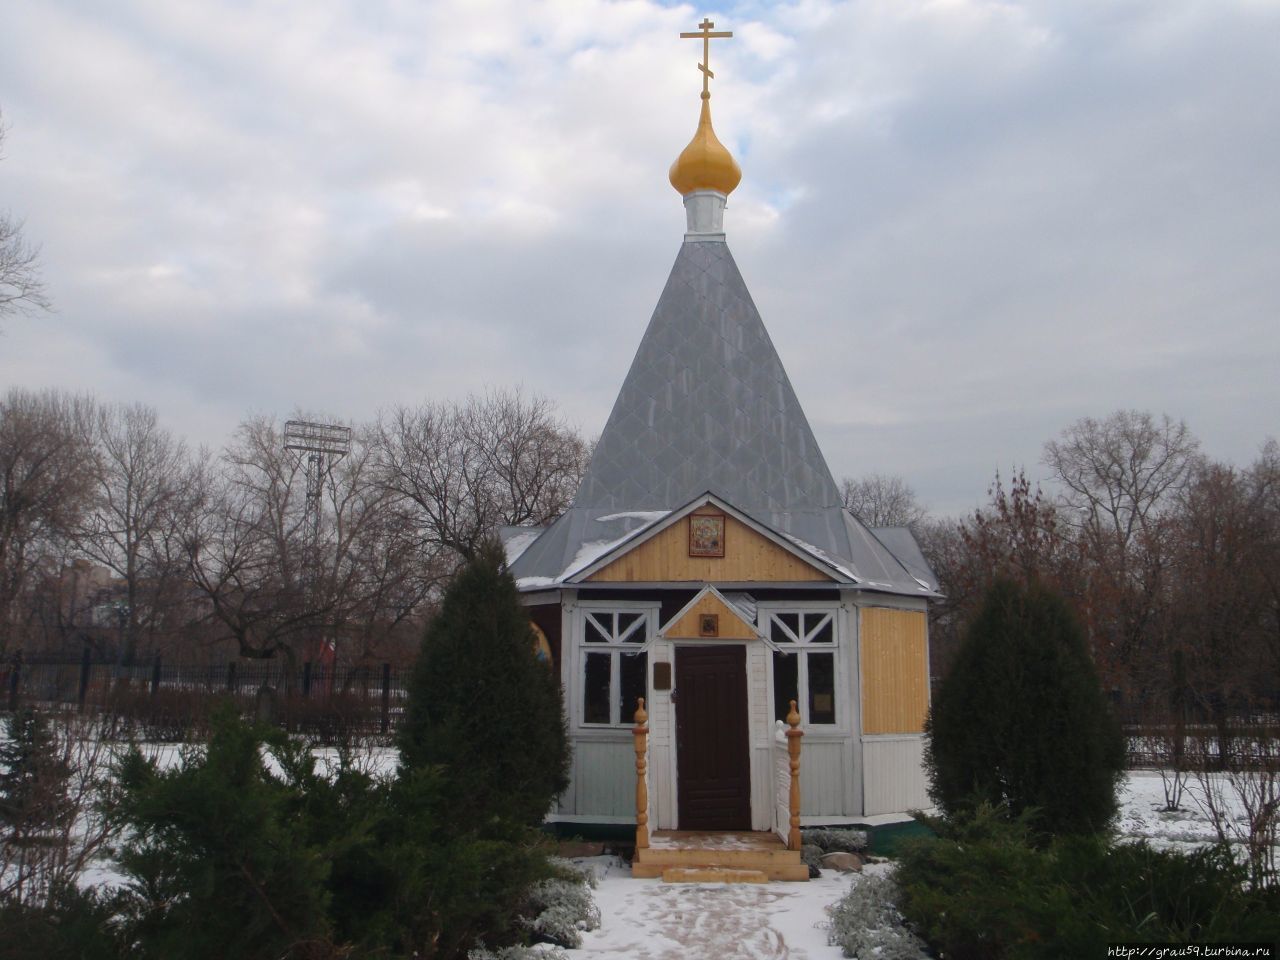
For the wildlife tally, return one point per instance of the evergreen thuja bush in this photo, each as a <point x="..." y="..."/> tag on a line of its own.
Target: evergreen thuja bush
<point x="1021" y="723"/>
<point x="482" y="708"/>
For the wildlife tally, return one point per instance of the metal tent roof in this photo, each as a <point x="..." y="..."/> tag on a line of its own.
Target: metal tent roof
<point x="707" y="407"/>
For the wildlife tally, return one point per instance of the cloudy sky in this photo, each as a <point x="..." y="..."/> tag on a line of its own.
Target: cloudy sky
<point x="967" y="223"/>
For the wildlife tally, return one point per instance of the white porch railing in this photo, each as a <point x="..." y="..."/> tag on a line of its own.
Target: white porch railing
<point x="786" y="779"/>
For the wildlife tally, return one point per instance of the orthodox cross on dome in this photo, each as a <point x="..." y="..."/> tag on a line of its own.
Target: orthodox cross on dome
<point x="705" y="31"/>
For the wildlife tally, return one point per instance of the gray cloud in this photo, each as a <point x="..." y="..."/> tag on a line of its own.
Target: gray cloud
<point x="966" y="224"/>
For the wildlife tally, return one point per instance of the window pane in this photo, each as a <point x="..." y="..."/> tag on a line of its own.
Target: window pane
<point x="595" y="688"/>
<point x="776" y="632"/>
<point x="626" y="621"/>
<point x="822" y="688"/>
<point x="594" y="633"/>
<point x="633" y="673"/>
<point x="823" y="634"/>
<point x="786" y="684"/>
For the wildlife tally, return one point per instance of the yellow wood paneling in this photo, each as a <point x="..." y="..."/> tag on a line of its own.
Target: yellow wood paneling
<point x="747" y="557"/>
<point x="895" y="670"/>
<point x="731" y="624"/>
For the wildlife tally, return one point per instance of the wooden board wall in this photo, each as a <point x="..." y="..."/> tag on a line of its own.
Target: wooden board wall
<point x="747" y="557"/>
<point x="895" y="670"/>
<point x="731" y="624"/>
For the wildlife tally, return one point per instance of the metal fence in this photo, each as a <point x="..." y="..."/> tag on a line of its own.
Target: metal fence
<point x="174" y="701"/>
<point x="1251" y="741"/>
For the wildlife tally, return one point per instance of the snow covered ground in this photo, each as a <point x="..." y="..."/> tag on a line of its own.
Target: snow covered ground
<point x="651" y="920"/>
<point x="1142" y="814"/>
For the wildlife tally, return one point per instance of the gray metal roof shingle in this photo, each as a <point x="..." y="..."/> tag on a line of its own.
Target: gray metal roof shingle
<point x="707" y="407"/>
<point x="705" y="383"/>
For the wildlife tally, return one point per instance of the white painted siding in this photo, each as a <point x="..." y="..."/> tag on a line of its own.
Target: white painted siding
<point x="760" y="732"/>
<point x="604" y="778"/>
<point x="823" y="773"/>
<point x="662" y="754"/>
<point x="894" y="775"/>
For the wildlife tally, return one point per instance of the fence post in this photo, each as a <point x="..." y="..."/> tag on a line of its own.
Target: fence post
<point x="386" y="697"/>
<point x="231" y="676"/>
<point x="15" y="679"/>
<point x="84" y="677"/>
<point x="793" y="748"/>
<point x="155" y="675"/>
<point x="306" y="679"/>
<point x="641" y="733"/>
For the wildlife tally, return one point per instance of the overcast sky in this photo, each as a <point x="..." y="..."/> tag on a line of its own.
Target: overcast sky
<point x="966" y="223"/>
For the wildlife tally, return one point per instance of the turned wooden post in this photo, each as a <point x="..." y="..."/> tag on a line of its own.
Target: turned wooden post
<point x="793" y="748"/>
<point x="641" y="733"/>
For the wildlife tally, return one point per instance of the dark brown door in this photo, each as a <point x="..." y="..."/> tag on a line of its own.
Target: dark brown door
<point x="712" y="760"/>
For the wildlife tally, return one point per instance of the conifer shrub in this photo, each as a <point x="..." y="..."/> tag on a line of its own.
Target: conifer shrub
<point x="482" y="708"/>
<point x="33" y="781"/>
<point x="72" y="924"/>
<point x="220" y="861"/>
<point x="1021" y="723"/>
<point x="983" y="889"/>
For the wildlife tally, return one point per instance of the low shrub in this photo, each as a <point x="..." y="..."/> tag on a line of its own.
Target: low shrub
<point x="983" y="890"/>
<point x="833" y="840"/>
<point x="560" y="909"/>
<point x="866" y="923"/>
<point x="72" y="925"/>
<point x="811" y="856"/>
<point x="518" y="953"/>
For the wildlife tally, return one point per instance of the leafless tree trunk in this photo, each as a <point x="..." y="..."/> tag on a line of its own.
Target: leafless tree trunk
<point x="130" y="528"/>
<point x="1120" y="479"/>
<point x="44" y="486"/>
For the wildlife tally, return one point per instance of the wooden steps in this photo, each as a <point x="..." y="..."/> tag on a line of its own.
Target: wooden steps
<point x="712" y="875"/>
<point x="683" y="856"/>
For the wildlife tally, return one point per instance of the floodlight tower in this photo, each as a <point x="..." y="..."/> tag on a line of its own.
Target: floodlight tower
<point x="323" y="445"/>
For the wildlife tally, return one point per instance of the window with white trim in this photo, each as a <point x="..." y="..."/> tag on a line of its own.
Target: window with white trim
<point x="613" y="668"/>
<point x="805" y="666"/>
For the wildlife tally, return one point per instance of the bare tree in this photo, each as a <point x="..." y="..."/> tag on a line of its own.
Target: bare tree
<point x="1120" y="480"/>
<point x="20" y="284"/>
<point x="458" y="471"/>
<point x="56" y="816"/>
<point x="130" y="527"/>
<point x="1018" y="535"/>
<point x="45" y="480"/>
<point x="1120" y="474"/>
<point x="879" y="500"/>
<point x="276" y="584"/>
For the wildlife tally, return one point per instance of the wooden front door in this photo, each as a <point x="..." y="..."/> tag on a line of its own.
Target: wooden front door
<point x="712" y="760"/>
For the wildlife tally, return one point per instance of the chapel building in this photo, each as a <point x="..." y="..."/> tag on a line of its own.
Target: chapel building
<point x="707" y="565"/>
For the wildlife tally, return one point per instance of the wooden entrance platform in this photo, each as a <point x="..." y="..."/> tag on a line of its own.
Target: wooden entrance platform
<point x="717" y="856"/>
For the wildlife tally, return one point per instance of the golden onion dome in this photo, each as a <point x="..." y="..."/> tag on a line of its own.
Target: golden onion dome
<point x="705" y="164"/>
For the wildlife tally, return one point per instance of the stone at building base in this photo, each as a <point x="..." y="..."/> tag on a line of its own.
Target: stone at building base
<point x="842" y="862"/>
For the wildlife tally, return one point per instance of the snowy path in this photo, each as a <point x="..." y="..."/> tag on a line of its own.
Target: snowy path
<point x="650" y="920"/>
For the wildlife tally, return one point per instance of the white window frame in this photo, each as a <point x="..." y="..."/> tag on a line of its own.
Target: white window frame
<point x="647" y="625"/>
<point x="829" y="612"/>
